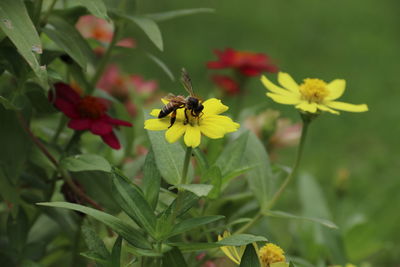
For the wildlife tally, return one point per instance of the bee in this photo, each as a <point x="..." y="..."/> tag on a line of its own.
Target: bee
<point x="191" y="103"/>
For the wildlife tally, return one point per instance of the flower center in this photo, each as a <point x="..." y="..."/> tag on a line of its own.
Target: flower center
<point x="91" y="107"/>
<point x="192" y="120"/>
<point x="271" y="253"/>
<point x="313" y="90"/>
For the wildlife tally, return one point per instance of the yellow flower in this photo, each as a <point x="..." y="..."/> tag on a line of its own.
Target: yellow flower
<point x="311" y="96"/>
<point x="271" y="253"/>
<point x="209" y="123"/>
<point x="234" y="253"/>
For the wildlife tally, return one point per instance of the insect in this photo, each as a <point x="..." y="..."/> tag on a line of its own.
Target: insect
<point x="190" y="103"/>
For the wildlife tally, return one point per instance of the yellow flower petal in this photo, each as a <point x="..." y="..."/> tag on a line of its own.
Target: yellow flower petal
<point x="213" y="106"/>
<point x="228" y="253"/>
<point x="222" y="121"/>
<point x="155" y="112"/>
<point x="192" y="136"/>
<point x="156" y="124"/>
<point x="175" y="132"/>
<point x="165" y="101"/>
<point x="326" y="108"/>
<point x="285" y="99"/>
<point x="287" y="81"/>
<point x="336" y="89"/>
<point x="274" y="88"/>
<point x="308" y="107"/>
<point x="347" y="106"/>
<point x="212" y="130"/>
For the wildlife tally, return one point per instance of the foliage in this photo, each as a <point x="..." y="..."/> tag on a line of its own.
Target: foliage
<point x="78" y="189"/>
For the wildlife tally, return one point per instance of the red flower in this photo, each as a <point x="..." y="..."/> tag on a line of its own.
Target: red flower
<point x="247" y="63"/>
<point x="229" y="85"/>
<point x="87" y="113"/>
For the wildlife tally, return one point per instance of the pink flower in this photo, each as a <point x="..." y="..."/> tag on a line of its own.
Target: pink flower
<point x="247" y="63"/>
<point x="142" y="86"/>
<point x="227" y="84"/>
<point x="99" y="29"/>
<point x="120" y="86"/>
<point x="87" y="113"/>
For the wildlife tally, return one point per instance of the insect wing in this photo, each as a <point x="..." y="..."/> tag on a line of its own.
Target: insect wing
<point x="187" y="82"/>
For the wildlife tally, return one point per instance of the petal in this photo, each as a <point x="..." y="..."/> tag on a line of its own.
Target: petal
<point x="308" y="107"/>
<point x="287" y="81"/>
<point x="175" y="132"/>
<point x="157" y="124"/>
<point x="225" y="122"/>
<point x="111" y="140"/>
<point x="116" y="121"/>
<point x="79" y="124"/>
<point x="213" y="106"/>
<point x="212" y="130"/>
<point x="326" y="108"/>
<point x="100" y="127"/>
<point x="274" y="88"/>
<point x="284" y="99"/>
<point x="347" y="106"/>
<point x="67" y="93"/>
<point x="192" y="136"/>
<point x="155" y="112"/>
<point x="228" y="253"/>
<point x="66" y="107"/>
<point x="336" y="89"/>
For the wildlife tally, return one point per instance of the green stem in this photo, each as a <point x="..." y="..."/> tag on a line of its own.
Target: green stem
<point x="104" y="60"/>
<point x="48" y="12"/>
<point x="179" y="197"/>
<point x="278" y="193"/>
<point x="77" y="238"/>
<point x="61" y="125"/>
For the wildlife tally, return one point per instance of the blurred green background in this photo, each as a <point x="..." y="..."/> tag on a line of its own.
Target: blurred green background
<point x="356" y="40"/>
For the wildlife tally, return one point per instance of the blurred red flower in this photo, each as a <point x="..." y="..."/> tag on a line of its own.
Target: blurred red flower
<point x="120" y="86"/>
<point x="87" y="113"/>
<point x="247" y="63"/>
<point x="229" y="85"/>
<point x="99" y="29"/>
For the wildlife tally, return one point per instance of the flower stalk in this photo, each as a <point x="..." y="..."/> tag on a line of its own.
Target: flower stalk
<point x="307" y="118"/>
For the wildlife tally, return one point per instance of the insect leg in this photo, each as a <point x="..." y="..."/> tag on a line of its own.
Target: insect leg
<point x="186" y="117"/>
<point x="173" y="118"/>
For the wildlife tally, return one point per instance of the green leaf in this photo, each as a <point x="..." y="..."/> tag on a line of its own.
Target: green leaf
<point x="282" y="214"/>
<point x="94" y="243"/>
<point x="7" y="104"/>
<point x="259" y="177"/>
<point x="70" y="40"/>
<point x="162" y="65"/>
<point x="191" y="223"/>
<point x="232" y="155"/>
<point x="173" y="258"/>
<point x="213" y="175"/>
<point x="116" y="253"/>
<point x="127" y="231"/>
<point x="201" y="160"/>
<point x="17" y="230"/>
<point x="94" y="257"/>
<point x="96" y="7"/>
<point x="314" y="204"/>
<point x="163" y="16"/>
<point x="190" y="247"/>
<point x="17" y="25"/>
<point x="250" y="257"/>
<point x="149" y="27"/>
<point x="201" y="190"/>
<point x="151" y="180"/>
<point x="169" y="157"/>
<point x="241" y="240"/>
<point x="132" y="201"/>
<point x="85" y="162"/>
